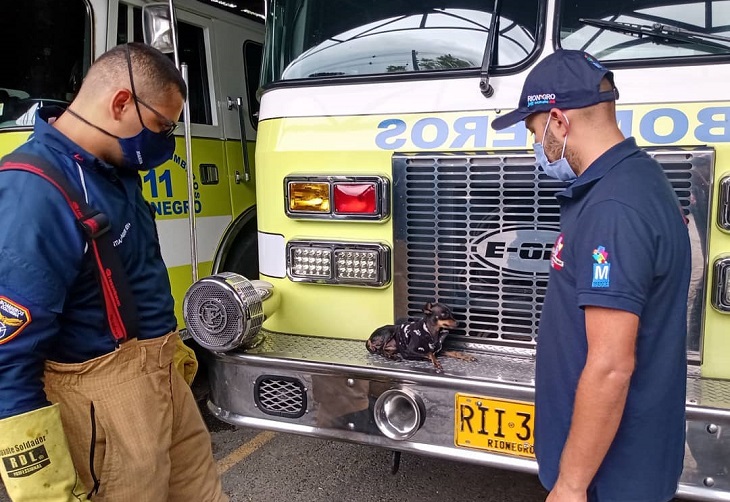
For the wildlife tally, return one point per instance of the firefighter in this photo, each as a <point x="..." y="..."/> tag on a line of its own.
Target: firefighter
<point x="85" y="413"/>
<point x="611" y="362"/>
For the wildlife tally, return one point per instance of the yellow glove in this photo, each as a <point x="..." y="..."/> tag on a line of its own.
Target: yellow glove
<point x="185" y="361"/>
<point x="35" y="462"/>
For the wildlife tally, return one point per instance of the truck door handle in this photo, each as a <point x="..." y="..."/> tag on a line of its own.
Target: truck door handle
<point x="238" y="104"/>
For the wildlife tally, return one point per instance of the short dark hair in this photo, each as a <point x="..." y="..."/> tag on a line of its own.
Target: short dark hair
<point x="154" y="73"/>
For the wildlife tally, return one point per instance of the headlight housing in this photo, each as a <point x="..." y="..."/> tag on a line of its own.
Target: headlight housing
<point x="721" y="284"/>
<point x="723" y="209"/>
<point x="337" y="197"/>
<point x="346" y="263"/>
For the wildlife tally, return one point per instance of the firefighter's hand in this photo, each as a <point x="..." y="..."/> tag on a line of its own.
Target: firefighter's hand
<point x="561" y="492"/>
<point x="185" y="361"/>
<point x="36" y="462"/>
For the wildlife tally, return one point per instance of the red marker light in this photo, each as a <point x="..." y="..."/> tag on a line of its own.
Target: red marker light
<point x="355" y="198"/>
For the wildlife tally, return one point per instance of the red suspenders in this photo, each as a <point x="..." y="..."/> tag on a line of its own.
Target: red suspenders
<point x="121" y="311"/>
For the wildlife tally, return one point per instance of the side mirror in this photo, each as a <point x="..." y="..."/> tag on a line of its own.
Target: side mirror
<point x="157" y="27"/>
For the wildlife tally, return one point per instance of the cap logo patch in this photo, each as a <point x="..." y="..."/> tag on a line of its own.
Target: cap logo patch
<point x="13" y="319"/>
<point x="540" y="99"/>
<point x="593" y="62"/>
<point x="601" y="268"/>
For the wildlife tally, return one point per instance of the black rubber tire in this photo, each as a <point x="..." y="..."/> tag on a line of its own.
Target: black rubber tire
<point x="243" y="257"/>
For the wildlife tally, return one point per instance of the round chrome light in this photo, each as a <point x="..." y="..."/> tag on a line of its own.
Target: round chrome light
<point x="223" y="311"/>
<point x="398" y="414"/>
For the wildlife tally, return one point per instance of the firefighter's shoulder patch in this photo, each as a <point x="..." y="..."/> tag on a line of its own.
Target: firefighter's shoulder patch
<point x="13" y="319"/>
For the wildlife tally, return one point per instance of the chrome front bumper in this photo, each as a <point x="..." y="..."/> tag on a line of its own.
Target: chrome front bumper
<point x="340" y="380"/>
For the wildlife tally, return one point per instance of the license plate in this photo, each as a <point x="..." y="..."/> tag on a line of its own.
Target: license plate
<point x="495" y="425"/>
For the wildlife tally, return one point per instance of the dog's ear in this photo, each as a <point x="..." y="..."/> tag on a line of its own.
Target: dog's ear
<point x="427" y="308"/>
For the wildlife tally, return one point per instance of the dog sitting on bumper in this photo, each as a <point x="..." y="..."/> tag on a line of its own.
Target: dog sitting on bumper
<point x="418" y="340"/>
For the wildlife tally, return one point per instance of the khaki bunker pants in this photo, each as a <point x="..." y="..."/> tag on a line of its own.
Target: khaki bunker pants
<point x="133" y="427"/>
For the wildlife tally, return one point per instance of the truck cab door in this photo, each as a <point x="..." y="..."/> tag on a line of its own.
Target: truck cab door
<point x="166" y="186"/>
<point x="239" y="47"/>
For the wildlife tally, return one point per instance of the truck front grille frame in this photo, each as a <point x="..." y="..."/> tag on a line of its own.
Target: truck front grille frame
<point x="475" y="231"/>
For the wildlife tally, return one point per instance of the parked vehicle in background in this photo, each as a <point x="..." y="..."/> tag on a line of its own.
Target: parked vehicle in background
<point x="222" y="47"/>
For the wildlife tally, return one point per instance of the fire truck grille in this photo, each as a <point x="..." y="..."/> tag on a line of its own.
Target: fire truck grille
<point x="476" y="233"/>
<point x="280" y="396"/>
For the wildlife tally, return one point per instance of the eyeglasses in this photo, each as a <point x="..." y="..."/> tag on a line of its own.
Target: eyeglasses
<point x="170" y="126"/>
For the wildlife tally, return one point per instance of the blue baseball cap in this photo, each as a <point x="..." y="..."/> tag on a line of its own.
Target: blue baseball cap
<point x="565" y="79"/>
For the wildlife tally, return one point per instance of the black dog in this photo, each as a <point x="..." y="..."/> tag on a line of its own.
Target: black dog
<point x="417" y="340"/>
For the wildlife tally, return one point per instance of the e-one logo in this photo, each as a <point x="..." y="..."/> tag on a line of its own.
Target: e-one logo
<point x="525" y="251"/>
<point x="520" y="250"/>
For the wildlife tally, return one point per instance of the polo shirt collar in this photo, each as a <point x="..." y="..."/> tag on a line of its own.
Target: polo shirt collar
<point x="53" y="138"/>
<point x="599" y="168"/>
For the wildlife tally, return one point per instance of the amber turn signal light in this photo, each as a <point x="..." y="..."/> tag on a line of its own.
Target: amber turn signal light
<point x="309" y="197"/>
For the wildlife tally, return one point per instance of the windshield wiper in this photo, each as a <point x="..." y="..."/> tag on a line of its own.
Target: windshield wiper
<point x="484" y="85"/>
<point x="661" y="32"/>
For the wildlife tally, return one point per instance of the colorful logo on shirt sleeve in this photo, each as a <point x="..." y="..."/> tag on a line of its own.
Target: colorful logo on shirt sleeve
<point x="556" y="256"/>
<point x="13" y="319"/>
<point x="601" y="268"/>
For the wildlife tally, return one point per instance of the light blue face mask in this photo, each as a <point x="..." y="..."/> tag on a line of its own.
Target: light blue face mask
<point x="560" y="169"/>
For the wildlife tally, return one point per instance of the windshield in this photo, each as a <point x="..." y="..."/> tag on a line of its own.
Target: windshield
<point x="46" y="56"/>
<point x="612" y="42"/>
<point x="321" y="38"/>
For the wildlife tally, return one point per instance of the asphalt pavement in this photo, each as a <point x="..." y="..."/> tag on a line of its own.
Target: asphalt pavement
<point x="262" y="466"/>
<point x="278" y="467"/>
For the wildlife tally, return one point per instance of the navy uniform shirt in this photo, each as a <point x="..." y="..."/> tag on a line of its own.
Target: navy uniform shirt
<point x="623" y="245"/>
<point x="50" y="301"/>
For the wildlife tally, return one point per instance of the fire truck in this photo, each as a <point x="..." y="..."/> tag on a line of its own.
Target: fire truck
<point x="382" y="187"/>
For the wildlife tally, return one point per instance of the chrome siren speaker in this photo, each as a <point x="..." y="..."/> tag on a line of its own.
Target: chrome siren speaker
<point x="223" y="311"/>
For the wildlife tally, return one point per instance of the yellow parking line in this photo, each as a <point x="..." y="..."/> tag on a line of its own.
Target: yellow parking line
<point x="244" y="451"/>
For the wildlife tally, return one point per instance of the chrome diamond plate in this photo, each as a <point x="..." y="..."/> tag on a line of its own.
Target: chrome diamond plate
<point x="475" y="232"/>
<point x="512" y="366"/>
<point x="708" y="393"/>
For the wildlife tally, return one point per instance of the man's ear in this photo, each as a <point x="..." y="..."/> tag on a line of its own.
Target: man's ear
<point x="559" y="121"/>
<point x="427" y="308"/>
<point x="121" y="100"/>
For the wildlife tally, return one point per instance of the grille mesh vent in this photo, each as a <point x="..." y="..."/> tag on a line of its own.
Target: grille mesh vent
<point x="280" y="396"/>
<point x="475" y="232"/>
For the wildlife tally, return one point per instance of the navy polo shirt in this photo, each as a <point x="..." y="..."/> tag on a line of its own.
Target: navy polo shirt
<point x="50" y="301"/>
<point x="623" y="245"/>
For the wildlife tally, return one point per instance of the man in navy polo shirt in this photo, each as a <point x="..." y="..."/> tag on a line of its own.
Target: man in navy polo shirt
<point x="611" y="352"/>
